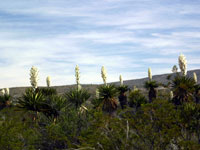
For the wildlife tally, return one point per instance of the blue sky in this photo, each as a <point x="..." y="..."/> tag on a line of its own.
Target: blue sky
<point x="126" y="36"/>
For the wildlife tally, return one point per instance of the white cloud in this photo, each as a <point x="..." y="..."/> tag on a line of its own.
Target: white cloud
<point x="126" y="36"/>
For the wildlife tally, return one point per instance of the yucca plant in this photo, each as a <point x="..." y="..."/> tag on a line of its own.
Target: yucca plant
<point x="77" y="96"/>
<point x="4" y="101"/>
<point x="151" y="85"/>
<point x="136" y="99"/>
<point x="107" y="96"/>
<point x="53" y="106"/>
<point x="122" y="96"/>
<point x="183" y="88"/>
<point x="32" y="101"/>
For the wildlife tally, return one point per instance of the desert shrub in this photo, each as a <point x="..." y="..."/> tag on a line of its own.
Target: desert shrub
<point x="66" y="132"/>
<point x="16" y="134"/>
<point x="136" y="99"/>
<point x="106" y="132"/>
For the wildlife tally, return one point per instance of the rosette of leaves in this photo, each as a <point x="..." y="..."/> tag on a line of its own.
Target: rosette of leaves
<point x="31" y="100"/>
<point x="107" y="97"/>
<point x="123" y="88"/>
<point x="183" y="88"/>
<point x="151" y="85"/>
<point x="53" y="106"/>
<point x="47" y="91"/>
<point x="77" y="97"/>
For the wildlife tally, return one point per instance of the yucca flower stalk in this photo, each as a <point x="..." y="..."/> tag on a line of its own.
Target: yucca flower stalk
<point x="5" y="98"/>
<point x="149" y="74"/>
<point x="195" y="77"/>
<point x="3" y="91"/>
<point x="34" y="77"/>
<point x="103" y="75"/>
<point x="183" y="64"/>
<point x="97" y="93"/>
<point x="7" y="91"/>
<point x="171" y="95"/>
<point x="77" y="75"/>
<point x="121" y="80"/>
<point x="48" y="80"/>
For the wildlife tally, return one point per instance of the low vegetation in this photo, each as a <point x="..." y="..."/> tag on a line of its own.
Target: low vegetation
<point x="116" y="119"/>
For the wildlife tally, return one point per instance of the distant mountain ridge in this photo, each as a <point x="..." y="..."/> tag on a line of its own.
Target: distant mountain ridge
<point x="17" y="91"/>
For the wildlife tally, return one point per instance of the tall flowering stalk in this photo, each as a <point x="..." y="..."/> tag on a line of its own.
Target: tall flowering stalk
<point x="7" y="91"/>
<point x="103" y="75"/>
<point x="183" y="64"/>
<point x="97" y="93"/>
<point x="34" y="77"/>
<point x="77" y="75"/>
<point x="3" y="91"/>
<point x="171" y="94"/>
<point x="149" y="74"/>
<point x="121" y="80"/>
<point x="48" y="80"/>
<point x="195" y="77"/>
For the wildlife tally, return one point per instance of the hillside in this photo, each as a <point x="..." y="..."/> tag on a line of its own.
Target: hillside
<point x="17" y="91"/>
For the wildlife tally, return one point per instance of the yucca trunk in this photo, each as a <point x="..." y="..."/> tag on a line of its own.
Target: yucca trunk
<point x="123" y="100"/>
<point x="110" y="106"/>
<point x="152" y="94"/>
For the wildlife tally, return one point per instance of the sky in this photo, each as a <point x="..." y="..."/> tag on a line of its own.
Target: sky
<point x="125" y="36"/>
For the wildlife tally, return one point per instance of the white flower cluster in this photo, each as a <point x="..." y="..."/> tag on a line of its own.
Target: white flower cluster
<point x="77" y="75"/>
<point x="121" y="80"/>
<point x="48" y="80"/>
<point x="195" y="77"/>
<point x="149" y="74"/>
<point x="97" y="93"/>
<point x="5" y="91"/>
<point x="183" y="64"/>
<point x="171" y="94"/>
<point x="103" y="75"/>
<point x="34" y="77"/>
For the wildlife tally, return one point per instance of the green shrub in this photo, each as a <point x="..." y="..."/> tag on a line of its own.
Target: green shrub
<point x="16" y="132"/>
<point x="136" y="99"/>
